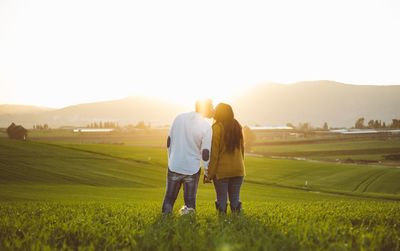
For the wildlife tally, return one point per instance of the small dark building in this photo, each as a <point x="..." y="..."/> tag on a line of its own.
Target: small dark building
<point x="17" y="132"/>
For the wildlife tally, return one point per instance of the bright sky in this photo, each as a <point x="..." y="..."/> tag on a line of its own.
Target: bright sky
<point x="56" y="53"/>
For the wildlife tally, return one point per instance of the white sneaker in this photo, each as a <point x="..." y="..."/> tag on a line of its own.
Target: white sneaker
<point x="186" y="210"/>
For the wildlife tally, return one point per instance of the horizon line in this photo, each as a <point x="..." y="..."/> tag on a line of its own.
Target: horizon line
<point x="166" y="100"/>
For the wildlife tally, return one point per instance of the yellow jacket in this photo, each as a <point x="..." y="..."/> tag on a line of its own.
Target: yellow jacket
<point x="223" y="164"/>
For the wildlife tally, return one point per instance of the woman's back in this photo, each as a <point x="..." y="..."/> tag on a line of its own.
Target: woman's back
<point x="223" y="163"/>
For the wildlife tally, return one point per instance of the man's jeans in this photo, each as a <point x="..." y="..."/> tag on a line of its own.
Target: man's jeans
<point x="174" y="182"/>
<point x="228" y="187"/>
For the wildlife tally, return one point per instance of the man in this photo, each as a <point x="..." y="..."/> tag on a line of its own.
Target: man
<point x="189" y="143"/>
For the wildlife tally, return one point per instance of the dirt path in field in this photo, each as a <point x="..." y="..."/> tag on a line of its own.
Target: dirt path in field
<point x="369" y="180"/>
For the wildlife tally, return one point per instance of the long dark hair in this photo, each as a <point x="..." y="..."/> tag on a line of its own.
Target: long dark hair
<point x="232" y="129"/>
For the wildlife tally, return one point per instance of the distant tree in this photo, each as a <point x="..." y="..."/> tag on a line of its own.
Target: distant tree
<point x="304" y="127"/>
<point x="249" y="138"/>
<point x="141" y="125"/>
<point x="395" y="123"/>
<point x="325" y="127"/>
<point x="377" y="124"/>
<point x="371" y="124"/>
<point x="290" y="125"/>
<point x="360" y="123"/>
<point x="383" y="125"/>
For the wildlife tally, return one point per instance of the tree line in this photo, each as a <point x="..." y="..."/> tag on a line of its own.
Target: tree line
<point x="101" y="124"/>
<point x="376" y="124"/>
<point x="41" y="127"/>
<point x="307" y="127"/>
<point x="115" y="125"/>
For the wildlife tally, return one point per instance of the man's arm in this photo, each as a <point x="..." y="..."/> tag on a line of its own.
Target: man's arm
<point x="242" y="147"/>
<point x="206" y="147"/>
<point x="170" y="137"/>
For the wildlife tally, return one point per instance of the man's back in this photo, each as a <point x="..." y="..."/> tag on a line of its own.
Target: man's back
<point x="189" y="135"/>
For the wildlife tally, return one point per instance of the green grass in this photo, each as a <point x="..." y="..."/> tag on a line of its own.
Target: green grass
<point x="40" y="163"/>
<point x="130" y="137"/>
<point x="145" y="167"/>
<point x="276" y="225"/>
<point x="351" y="144"/>
<point x="324" y="176"/>
<point x="96" y="196"/>
<point x="361" y="151"/>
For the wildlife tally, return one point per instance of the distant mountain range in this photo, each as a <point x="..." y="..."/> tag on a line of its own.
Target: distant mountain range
<point x="21" y="109"/>
<point x="129" y="110"/>
<point x="315" y="102"/>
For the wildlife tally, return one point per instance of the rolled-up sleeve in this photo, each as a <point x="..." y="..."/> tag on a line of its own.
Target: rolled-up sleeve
<point x="206" y="147"/>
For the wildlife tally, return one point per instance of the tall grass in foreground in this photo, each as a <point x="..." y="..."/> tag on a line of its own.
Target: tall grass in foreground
<point x="278" y="225"/>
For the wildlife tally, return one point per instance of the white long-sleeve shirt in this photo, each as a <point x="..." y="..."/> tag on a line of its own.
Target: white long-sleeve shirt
<point x="189" y="135"/>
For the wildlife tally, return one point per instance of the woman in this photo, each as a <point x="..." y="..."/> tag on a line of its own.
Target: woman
<point x="226" y="167"/>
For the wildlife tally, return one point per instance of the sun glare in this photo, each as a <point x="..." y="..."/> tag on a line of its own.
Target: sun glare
<point x="188" y="94"/>
<point x="169" y="50"/>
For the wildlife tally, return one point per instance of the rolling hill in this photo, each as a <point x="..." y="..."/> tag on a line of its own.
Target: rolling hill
<point x="123" y="111"/>
<point x="31" y="165"/>
<point x="21" y="109"/>
<point x="269" y="104"/>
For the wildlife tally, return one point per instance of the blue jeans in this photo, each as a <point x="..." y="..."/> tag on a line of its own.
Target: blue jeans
<point x="174" y="183"/>
<point x="228" y="187"/>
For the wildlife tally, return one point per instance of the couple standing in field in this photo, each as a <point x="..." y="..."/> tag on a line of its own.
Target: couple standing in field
<point x="220" y="147"/>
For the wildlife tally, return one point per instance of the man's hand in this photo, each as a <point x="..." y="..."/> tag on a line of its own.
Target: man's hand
<point x="206" y="179"/>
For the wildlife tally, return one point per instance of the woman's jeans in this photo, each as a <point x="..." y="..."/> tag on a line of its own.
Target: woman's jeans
<point x="174" y="183"/>
<point x="228" y="187"/>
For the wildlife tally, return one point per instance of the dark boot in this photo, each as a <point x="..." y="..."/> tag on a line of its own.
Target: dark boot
<point x="236" y="209"/>
<point x="219" y="209"/>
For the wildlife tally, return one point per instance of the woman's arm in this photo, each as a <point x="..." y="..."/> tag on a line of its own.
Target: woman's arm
<point x="242" y="147"/>
<point x="215" y="145"/>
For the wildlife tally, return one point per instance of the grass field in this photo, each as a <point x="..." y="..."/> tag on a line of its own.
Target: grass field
<point x="274" y="225"/>
<point x="65" y="194"/>
<point x="120" y="137"/>
<point x="343" y="150"/>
